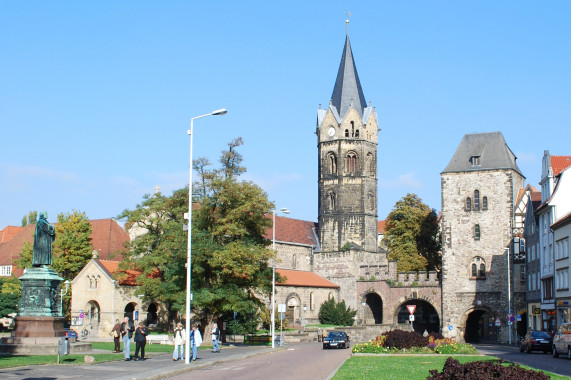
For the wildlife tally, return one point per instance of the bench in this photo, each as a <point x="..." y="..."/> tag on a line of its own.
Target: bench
<point x="159" y="339"/>
<point x="257" y="339"/>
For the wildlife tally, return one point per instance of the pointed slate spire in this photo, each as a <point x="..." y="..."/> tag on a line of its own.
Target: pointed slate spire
<point x="347" y="91"/>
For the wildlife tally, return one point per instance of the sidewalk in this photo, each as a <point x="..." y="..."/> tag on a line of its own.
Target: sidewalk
<point x="157" y="366"/>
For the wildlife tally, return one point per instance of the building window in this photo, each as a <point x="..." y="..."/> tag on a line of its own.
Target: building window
<point x="484" y="203"/>
<point x="475" y="160"/>
<point x="476" y="200"/>
<point x="294" y="262"/>
<point x="332" y="163"/>
<point x="477" y="232"/>
<point x="351" y="163"/>
<point x="522" y="274"/>
<point x="468" y="204"/>
<point x="6" y="270"/>
<point x="478" y="268"/>
<point x="346" y="133"/>
<point x="311" y="301"/>
<point x="331" y="200"/>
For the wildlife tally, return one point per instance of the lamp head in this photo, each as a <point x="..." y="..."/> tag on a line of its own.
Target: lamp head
<point x="222" y="111"/>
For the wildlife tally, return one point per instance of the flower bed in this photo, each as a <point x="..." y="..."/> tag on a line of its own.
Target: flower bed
<point x="408" y="342"/>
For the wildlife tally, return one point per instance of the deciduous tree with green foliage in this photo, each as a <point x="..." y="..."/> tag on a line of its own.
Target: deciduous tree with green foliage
<point x="9" y="295"/>
<point x="72" y="247"/>
<point x="31" y="218"/>
<point x="412" y="235"/>
<point x="229" y="252"/>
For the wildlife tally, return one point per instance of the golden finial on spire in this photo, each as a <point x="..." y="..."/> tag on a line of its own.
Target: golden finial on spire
<point x="348" y="14"/>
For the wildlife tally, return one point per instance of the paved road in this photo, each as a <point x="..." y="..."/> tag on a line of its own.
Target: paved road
<point x="536" y="359"/>
<point x="303" y="360"/>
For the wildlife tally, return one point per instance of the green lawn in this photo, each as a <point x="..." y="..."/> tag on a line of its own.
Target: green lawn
<point x="401" y="367"/>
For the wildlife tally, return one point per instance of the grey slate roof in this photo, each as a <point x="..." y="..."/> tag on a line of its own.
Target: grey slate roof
<point x="347" y="88"/>
<point x="492" y="150"/>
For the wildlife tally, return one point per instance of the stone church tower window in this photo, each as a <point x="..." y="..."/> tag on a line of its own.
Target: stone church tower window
<point x="476" y="200"/>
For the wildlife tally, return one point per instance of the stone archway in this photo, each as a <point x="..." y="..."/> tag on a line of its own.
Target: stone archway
<point x="152" y="318"/>
<point x="292" y="309"/>
<point x="93" y="313"/>
<point x="372" y="309"/>
<point x="425" y="316"/>
<point x="130" y="311"/>
<point x="477" y="326"/>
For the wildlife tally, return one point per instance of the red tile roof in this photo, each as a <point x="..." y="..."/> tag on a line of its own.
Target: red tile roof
<point x="296" y="231"/>
<point x="381" y="226"/>
<point x="107" y="237"/>
<point x="560" y="163"/>
<point x="8" y="233"/>
<point x="112" y="267"/>
<point x="303" y="278"/>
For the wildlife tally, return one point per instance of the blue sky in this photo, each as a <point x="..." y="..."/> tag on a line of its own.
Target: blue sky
<point x="96" y="97"/>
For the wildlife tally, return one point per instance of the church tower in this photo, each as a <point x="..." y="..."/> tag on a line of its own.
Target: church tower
<point x="347" y="147"/>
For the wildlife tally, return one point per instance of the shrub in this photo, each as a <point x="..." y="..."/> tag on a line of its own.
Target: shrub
<point x="404" y="339"/>
<point x="336" y="313"/>
<point x="484" y="370"/>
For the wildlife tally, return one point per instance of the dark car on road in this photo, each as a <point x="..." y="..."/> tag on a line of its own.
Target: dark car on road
<point x="536" y="341"/>
<point x="336" y="339"/>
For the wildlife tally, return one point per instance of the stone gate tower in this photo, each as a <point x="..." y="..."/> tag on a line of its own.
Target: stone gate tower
<point x="347" y="146"/>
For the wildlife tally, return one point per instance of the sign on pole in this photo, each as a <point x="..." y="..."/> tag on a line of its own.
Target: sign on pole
<point x="411" y="309"/>
<point x="281" y="308"/>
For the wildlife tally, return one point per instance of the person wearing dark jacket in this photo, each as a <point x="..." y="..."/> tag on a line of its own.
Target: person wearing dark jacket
<point x="127" y="332"/>
<point x="140" y="341"/>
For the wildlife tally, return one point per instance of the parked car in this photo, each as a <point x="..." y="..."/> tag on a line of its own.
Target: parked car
<point x="536" y="341"/>
<point x="336" y="339"/>
<point x="71" y="335"/>
<point x="562" y="341"/>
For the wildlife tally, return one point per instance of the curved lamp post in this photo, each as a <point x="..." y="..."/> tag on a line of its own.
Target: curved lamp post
<point x="222" y="111"/>
<point x="273" y="319"/>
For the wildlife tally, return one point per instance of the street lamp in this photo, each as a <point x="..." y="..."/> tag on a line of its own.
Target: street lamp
<point x="273" y="319"/>
<point x="61" y="294"/>
<point x="189" y="218"/>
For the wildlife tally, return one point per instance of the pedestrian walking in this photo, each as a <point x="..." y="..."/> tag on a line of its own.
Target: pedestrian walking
<point x="140" y="341"/>
<point x="215" y="338"/>
<point x="116" y="334"/>
<point x="179" y="342"/>
<point x="127" y="329"/>
<point x="195" y="341"/>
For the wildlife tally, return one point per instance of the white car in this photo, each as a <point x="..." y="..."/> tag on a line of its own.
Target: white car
<point x="562" y="341"/>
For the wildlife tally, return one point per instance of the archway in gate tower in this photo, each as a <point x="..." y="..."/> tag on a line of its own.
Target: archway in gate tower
<point x="425" y="316"/>
<point x="372" y="309"/>
<point x="479" y="327"/>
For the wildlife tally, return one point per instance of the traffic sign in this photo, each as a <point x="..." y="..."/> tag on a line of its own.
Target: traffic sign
<point x="498" y="322"/>
<point x="450" y="327"/>
<point x="411" y="309"/>
<point x="81" y="315"/>
<point x="411" y="317"/>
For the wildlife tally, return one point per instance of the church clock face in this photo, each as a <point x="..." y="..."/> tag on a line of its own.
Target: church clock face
<point x="331" y="131"/>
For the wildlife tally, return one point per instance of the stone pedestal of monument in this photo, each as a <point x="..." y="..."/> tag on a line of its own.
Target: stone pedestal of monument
<point x="39" y="325"/>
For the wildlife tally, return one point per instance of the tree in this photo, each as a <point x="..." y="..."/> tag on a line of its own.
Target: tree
<point x="31" y="218"/>
<point x="412" y="235"/>
<point x="9" y="296"/>
<point x="72" y="247"/>
<point x="229" y="255"/>
<point x="25" y="258"/>
<point x="338" y="314"/>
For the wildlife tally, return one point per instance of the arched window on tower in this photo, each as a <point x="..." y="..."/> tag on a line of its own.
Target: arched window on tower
<point x="476" y="200"/>
<point x="331" y="200"/>
<point x="346" y="133"/>
<point x="351" y="163"/>
<point x="468" y="204"/>
<point x="352" y="129"/>
<point x="293" y="262"/>
<point x="477" y="268"/>
<point x="357" y="133"/>
<point x="370" y="165"/>
<point x="477" y="232"/>
<point x="484" y="203"/>
<point x="332" y="163"/>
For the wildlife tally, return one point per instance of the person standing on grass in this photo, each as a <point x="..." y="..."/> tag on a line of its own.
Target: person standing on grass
<point x="116" y="334"/>
<point x="179" y="342"/>
<point x="127" y="332"/>
<point x="215" y="338"/>
<point x="140" y="341"/>
<point x="195" y="340"/>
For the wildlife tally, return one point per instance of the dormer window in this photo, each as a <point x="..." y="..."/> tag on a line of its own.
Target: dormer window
<point x="475" y="160"/>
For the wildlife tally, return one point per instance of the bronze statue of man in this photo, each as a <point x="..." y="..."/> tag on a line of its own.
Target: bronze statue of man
<point x="45" y="235"/>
